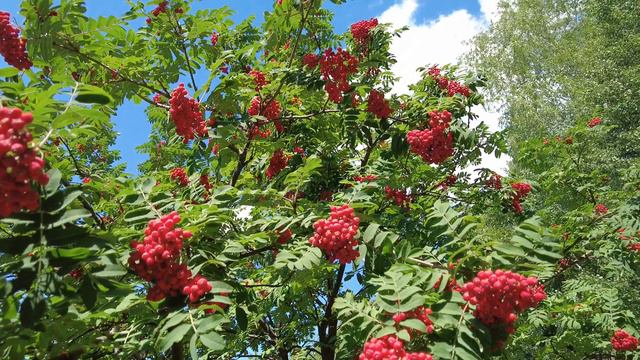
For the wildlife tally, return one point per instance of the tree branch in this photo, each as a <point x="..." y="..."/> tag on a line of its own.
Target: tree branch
<point x="101" y="64"/>
<point x="183" y="48"/>
<point x="328" y="327"/>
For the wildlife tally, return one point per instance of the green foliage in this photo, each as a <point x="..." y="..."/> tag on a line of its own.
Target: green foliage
<point x="67" y="288"/>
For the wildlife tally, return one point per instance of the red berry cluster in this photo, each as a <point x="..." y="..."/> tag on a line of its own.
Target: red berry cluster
<point x="362" y="29"/>
<point x="186" y="115"/>
<point x="400" y="197"/>
<point x="20" y="166"/>
<point x="421" y="313"/>
<point x="196" y="288"/>
<point x="377" y="105"/>
<point x="633" y="245"/>
<point x="271" y="111"/>
<point x="449" y="181"/>
<point x="500" y="295"/>
<point x="206" y="184"/>
<point x="623" y="341"/>
<point x="278" y="162"/>
<point x="204" y="181"/>
<point x="214" y="38"/>
<point x="564" y="263"/>
<point x="255" y="131"/>
<point x="259" y="78"/>
<point x="311" y="60"/>
<point x="336" y="67"/>
<point x="156" y="258"/>
<point x="161" y="8"/>
<point x="434" y="145"/>
<point x="594" y="122"/>
<point x="76" y="273"/>
<point x="455" y="87"/>
<point x="179" y="175"/>
<point x="298" y="150"/>
<point x="284" y="237"/>
<point x="600" y="209"/>
<point x="452" y="87"/>
<point x="12" y="47"/>
<point x="495" y="181"/>
<point x="365" y="178"/>
<point x="452" y="284"/>
<point x="389" y="348"/>
<point x="336" y="235"/>
<point x="521" y="190"/>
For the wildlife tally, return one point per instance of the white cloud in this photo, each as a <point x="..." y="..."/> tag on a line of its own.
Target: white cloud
<point x="489" y="9"/>
<point x="439" y="41"/>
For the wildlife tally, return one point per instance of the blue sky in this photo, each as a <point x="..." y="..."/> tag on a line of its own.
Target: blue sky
<point x="455" y="21"/>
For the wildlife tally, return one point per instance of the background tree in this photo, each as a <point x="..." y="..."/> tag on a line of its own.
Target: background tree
<point x="290" y="208"/>
<point x="549" y="63"/>
<point x="562" y="72"/>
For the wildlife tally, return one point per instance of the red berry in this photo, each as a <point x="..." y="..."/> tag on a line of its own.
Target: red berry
<point x="156" y="258"/>
<point x="434" y="145"/>
<point x="179" y="175"/>
<point x="214" y="38"/>
<point x="336" y="67"/>
<point x="277" y="163"/>
<point x="284" y="237"/>
<point x="601" y="209"/>
<point x="311" y="60"/>
<point x="336" y="235"/>
<point x="400" y="197"/>
<point x="389" y="348"/>
<point x="361" y="31"/>
<point x="12" y="47"/>
<point x="377" y="105"/>
<point x="259" y="78"/>
<point x="20" y="166"/>
<point x="186" y="115"/>
<point x="495" y="181"/>
<point x="455" y="87"/>
<point x="271" y="111"/>
<point x="622" y="341"/>
<point x="594" y="122"/>
<point x="521" y="190"/>
<point x="500" y="295"/>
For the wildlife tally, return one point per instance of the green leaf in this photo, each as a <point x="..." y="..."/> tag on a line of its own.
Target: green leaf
<point x="70" y="216"/>
<point x="31" y="311"/>
<point x="193" y="348"/>
<point x="173" y="336"/>
<point x="9" y="72"/>
<point x="370" y="232"/>
<point x="90" y="94"/>
<point x="213" y="341"/>
<point x="174" y="319"/>
<point x="414" y="324"/>
<point x="54" y="181"/>
<point x="241" y="318"/>
<point x="88" y="293"/>
<point x="111" y="271"/>
<point x="510" y="250"/>
<point x="65" y="119"/>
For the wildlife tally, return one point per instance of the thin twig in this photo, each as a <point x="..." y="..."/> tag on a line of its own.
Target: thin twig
<point x="101" y="64"/>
